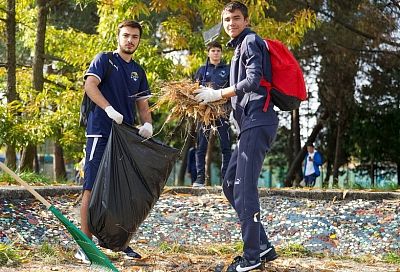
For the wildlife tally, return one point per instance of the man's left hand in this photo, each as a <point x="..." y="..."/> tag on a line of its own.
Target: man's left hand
<point x="146" y="131"/>
<point x="207" y="95"/>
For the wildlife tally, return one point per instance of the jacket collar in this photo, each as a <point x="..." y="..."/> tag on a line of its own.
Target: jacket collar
<point x="219" y="65"/>
<point x="234" y="42"/>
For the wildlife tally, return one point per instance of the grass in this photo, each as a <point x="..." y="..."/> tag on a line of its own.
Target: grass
<point x="52" y="254"/>
<point x="392" y="258"/>
<point x="211" y="249"/>
<point x="172" y="248"/>
<point x="294" y="250"/>
<point x="46" y="250"/>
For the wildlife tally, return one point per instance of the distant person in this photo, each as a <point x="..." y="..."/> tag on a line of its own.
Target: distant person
<point x="79" y="173"/>
<point x="312" y="162"/>
<point x="191" y="164"/>
<point x="214" y="74"/>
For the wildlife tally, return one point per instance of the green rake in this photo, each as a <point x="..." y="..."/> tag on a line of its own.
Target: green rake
<point x="97" y="258"/>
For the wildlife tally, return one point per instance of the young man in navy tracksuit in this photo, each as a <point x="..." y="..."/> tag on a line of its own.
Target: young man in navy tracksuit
<point x="214" y="74"/>
<point x="257" y="130"/>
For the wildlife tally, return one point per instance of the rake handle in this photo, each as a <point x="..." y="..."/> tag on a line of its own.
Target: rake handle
<point x="26" y="185"/>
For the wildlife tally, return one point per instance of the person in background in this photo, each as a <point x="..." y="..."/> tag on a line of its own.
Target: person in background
<point x="257" y="130"/>
<point x="312" y="162"/>
<point x="215" y="74"/>
<point x="115" y="97"/>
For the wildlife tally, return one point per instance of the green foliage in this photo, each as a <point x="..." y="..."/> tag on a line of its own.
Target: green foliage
<point x="30" y="177"/>
<point x="392" y="257"/>
<point x="172" y="29"/>
<point x="34" y="178"/>
<point x="9" y="255"/>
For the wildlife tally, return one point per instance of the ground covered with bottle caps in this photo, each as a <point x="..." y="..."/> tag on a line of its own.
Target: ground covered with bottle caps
<point x="340" y="232"/>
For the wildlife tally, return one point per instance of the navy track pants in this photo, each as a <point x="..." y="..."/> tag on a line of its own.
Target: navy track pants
<point x="241" y="185"/>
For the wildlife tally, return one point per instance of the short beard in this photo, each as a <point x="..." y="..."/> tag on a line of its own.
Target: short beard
<point x="129" y="52"/>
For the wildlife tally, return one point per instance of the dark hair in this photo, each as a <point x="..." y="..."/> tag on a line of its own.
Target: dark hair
<point x="130" y="23"/>
<point x="310" y="144"/>
<point x="234" y="5"/>
<point x="213" y="45"/>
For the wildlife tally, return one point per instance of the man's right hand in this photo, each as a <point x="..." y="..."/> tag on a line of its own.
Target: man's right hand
<point x="113" y="114"/>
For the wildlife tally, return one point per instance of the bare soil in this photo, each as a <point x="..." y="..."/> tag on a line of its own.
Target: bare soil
<point x="190" y="262"/>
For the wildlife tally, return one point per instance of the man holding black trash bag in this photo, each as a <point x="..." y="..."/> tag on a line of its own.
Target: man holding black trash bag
<point x="115" y="94"/>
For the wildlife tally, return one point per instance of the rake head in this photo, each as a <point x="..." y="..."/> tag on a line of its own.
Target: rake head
<point x="212" y="34"/>
<point x="97" y="258"/>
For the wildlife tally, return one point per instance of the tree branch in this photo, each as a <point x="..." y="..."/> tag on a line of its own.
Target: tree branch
<point x="51" y="57"/>
<point x="348" y="26"/>
<point x="172" y="50"/>
<point x="369" y="50"/>
<point x="4" y="64"/>
<point x="58" y="84"/>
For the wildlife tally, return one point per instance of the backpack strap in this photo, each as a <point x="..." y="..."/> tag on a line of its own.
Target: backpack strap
<point x="268" y="87"/>
<point x="266" y="84"/>
<point x="109" y="67"/>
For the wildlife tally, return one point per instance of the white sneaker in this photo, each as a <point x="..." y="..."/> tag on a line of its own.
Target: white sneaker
<point x="197" y="185"/>
<point x="80" y="255"/>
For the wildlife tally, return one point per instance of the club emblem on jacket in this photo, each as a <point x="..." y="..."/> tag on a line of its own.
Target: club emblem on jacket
<point x="134" y="76"/>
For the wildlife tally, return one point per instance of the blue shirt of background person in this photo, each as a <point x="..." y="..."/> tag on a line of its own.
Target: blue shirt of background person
<point x="126" y="84"/>
<point x="217" y="76"/>
<point x="312" y="162"/>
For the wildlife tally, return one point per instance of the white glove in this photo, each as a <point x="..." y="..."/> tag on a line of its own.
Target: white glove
<point x="146" y="131"/>
<point x="113" y="114"/>
<point x="207" y="95"/>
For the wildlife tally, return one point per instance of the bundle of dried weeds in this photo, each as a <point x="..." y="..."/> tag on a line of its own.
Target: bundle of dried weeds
<point x="178" y="97"/>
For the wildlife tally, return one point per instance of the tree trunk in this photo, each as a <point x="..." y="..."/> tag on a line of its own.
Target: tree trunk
<point x="296" y="164"/>
<point x="36" y="163"/>
<point x="209" y="157"/>
<point x="372" y="174"/>
<point x="328" y="171"/>
<point x="185" y="149"/>
<point x="27" y="158"/>
<point x="11" y="51"/>
<point x="37" y="73"/>
<point x="336" y="162"/>
<point x="11" y="157"/>
<point x="60" y="172"/>
<point x="398" y="174"/>
<point x="296" y="143"/>
<point x="38" y="59"/>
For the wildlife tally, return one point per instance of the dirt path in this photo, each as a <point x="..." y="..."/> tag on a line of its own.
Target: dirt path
<point x="190" y="262"/>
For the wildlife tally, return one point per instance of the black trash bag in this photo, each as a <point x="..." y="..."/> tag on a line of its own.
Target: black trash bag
<point x="131" y="177"/>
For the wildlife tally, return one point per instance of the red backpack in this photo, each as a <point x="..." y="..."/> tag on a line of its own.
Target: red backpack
<point x="287" y="88"/>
